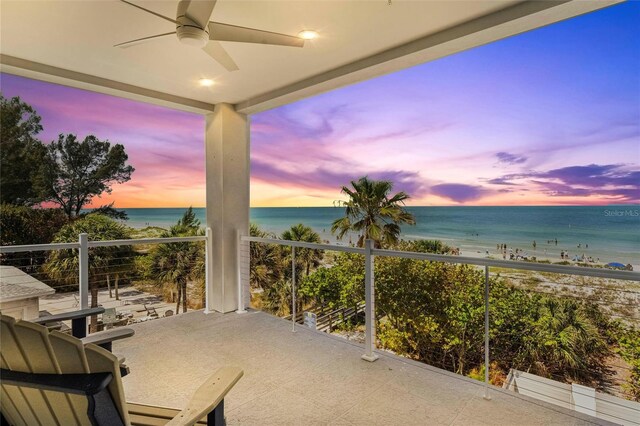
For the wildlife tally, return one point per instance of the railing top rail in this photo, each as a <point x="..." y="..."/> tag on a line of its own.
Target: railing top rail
<point x="38" y="247"/>
<point x="511" y="264"/>
<point x="63" y="246"/>
<point x="507" y="264"/>
<point x="302" y="244"/>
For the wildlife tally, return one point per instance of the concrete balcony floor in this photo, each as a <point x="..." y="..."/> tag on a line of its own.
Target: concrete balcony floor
<point x="310" y="378"/>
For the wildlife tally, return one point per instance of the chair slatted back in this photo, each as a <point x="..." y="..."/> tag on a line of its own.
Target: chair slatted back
<point x="30" y="348"/>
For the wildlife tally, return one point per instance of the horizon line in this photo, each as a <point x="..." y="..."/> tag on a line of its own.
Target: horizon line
<point x="339" y="207"/>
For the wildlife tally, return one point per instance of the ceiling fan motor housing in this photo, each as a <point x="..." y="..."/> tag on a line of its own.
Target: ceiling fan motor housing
<point x="190" y="33"/>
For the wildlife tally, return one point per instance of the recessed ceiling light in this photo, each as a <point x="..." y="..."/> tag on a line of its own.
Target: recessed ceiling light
<point x="206" y="82"/>
<point x="308" y="34"/>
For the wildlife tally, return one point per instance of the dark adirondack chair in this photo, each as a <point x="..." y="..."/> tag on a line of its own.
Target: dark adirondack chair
<point x="50" y="377"/>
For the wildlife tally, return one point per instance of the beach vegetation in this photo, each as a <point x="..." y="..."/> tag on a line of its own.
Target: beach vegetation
<point x="179" y="263"/>
<point x="629" y="349"/>
<point x="424" y="246"/>
<point x="434" y="312"/>
<point x="372" y="212"/>
<point x="104" y="262"/>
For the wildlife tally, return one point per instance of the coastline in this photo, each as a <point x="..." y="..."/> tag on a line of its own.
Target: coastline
<point x="592" y="231"/>
<point x="480" y="250"/>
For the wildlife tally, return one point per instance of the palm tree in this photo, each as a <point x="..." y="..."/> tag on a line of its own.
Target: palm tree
<point x="306" y="257"/>
<point x="177" y="263"/>
<point x="565" y="343"/>
<point x="372" y="213"/>
<point x="277" y="298"/>
<point x="265" y="260"/>
<point x="62" y="265"/>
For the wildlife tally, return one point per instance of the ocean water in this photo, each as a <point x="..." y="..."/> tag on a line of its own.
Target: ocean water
<point x="612" y="233"/>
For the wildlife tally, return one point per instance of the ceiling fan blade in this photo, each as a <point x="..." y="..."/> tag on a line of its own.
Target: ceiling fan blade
<point x="149" y="11"/>
<point x="142" y="40"/>
<point x="198" y="11"/>
<point x="225" y="32"/>
<point x="217" y="52"/>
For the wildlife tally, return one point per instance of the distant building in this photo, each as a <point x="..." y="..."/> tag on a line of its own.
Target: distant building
<point x="574" y="397"/>
<point x="20" y="293"/>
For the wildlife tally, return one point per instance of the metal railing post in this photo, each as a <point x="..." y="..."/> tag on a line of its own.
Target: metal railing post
<point x="83" y="270"/>
<point x="486" y="333"/>
<point x="293" y="289"/>
<point x="369" y="309"/>
<point x="208" y="276"/>
<point x="241" y="309"/>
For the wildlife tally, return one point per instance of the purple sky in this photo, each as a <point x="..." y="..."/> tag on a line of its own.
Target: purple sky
<point x="547" y="117"/>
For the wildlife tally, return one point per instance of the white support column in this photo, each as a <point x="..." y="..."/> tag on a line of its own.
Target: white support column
<point x="293" y="289"/>
<point x="240" y="258"/>
<point x="369" y="302"/>
<point x="208" y="277"/>
<point x="227" y="169"/>
<point x="486" y="333"/>
<point x="83" y="271"/>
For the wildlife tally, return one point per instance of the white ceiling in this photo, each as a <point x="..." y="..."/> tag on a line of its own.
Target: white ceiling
<point x="79" y="35"/>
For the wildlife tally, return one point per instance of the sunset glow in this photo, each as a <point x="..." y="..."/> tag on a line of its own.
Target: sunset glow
<point x="550" y="117"/>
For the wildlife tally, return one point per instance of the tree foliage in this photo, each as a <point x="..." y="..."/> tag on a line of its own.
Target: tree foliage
<point x="306" y="258"/>
<point x="25" y="225"/>
<point x="21" y="153"/>
<point x="372" y="212"/>
<point x="270" y="268"/>
<point x="74" y="171"/>
<point x="340" y="284"/>
<point x="110" y="211"/>
<point x="266" y="261"/>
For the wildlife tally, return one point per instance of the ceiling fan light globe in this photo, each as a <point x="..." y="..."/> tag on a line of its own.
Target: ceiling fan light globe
<point x="192" y="36"/>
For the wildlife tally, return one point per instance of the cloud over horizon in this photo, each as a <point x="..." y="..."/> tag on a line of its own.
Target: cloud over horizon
<point x="459" y="192"/>
<point x="616" y="182"/>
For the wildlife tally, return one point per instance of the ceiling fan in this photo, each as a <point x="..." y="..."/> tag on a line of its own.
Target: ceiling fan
<point x="193" y="28"/>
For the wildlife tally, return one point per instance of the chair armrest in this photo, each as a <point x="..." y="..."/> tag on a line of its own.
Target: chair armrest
<point x="79" y="384"/>
<point x="208" y="396"/>
<point x="65" y="316"/>
<point x="107" y="336"/>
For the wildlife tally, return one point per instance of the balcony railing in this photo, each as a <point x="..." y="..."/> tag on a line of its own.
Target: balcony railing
<point x="622" y="304"/>
<point x="81" y="265"/>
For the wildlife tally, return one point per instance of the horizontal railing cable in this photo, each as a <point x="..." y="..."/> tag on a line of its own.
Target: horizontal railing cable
<point x="142" y="241"/>
<point x="314" y="246"/>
